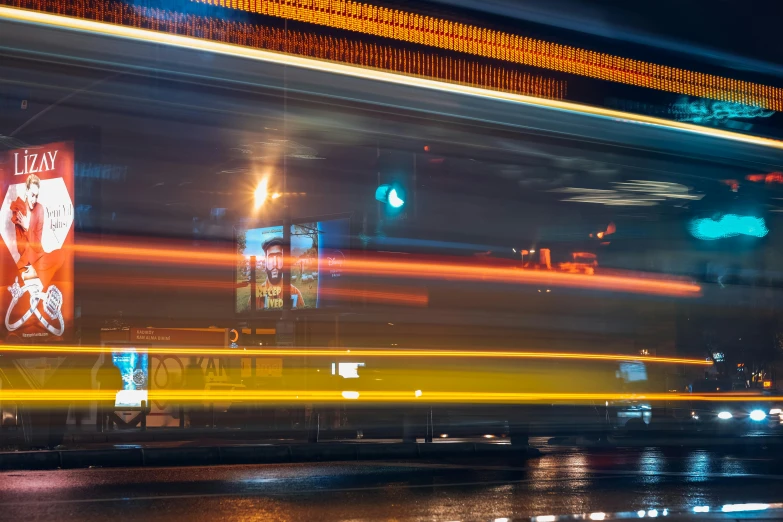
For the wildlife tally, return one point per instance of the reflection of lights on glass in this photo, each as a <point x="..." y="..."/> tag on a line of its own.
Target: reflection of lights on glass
<point x="444" y="435"/>
<point x="641" y="513"/>
<point x="488" y="436"/>
<point x="724" y="415"/>
<point x="350" y="395"/>
<point x="701" y="509"/>
<point x="417" y="393"/>
<point x="775" y="411"/>
<point x="276" y="195"/>
<point x="652" y="513"/>
<point x="757" y="415"/>
<point x="545" y="518"/>
<point x="597" y="516"/>
<point x="734" y="508"/>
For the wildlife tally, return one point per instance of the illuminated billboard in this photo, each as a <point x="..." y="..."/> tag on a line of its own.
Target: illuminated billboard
<point x="134" y="369"/>
<point x="318" y="251"/>
<point x="36" y="260"/>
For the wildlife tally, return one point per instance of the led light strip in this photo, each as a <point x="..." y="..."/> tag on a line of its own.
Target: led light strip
<point x="45" y="19"/>
<point x="357" y="352"/>
<point x="453" y="36"/>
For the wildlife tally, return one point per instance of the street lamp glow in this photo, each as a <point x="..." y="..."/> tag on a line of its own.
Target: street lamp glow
<point x="261" y="193"/>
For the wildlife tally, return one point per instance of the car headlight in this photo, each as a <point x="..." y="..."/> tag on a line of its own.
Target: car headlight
<point x="725" y="415"/>
<point x="758" y="415"/>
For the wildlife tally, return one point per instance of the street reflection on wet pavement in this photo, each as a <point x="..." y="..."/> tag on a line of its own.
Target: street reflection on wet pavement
<point x="597" y="483"/>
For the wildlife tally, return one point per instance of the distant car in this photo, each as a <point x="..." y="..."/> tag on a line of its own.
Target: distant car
<point x="737" y="417"/>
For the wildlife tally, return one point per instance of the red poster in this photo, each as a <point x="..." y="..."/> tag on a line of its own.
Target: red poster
<point x="36" y="256"/>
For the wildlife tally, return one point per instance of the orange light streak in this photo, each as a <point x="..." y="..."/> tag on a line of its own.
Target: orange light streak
<point x="391" y="295"/>
<point x="397" y="296"/>
<point x="323" y="47"/>
<point x="353" y="352"/>
<point x="453" y="36"/>
<point x="435" y="269"/>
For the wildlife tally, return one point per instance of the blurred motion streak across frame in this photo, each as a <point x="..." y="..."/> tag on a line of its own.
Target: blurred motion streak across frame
<point x="432" y="268"/>
<point x="480" y="41"/>
<point x="151" y="36"/>
<point x="357" y="352"/>
<point x="408" y="296"/>
<point x="322" y="47"/>
<point x="48" y="397"/>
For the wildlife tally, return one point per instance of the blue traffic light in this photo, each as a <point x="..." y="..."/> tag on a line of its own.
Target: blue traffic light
<point x="729" y="225"/>
<point x="395" y="200"/>
<point x="391" y="195"/>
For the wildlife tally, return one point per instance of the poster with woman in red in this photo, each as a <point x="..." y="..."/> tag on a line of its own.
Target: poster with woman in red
<point x="36" y="259"/>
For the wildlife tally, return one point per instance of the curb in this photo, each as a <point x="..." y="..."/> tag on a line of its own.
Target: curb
<point x="261" y="454"/>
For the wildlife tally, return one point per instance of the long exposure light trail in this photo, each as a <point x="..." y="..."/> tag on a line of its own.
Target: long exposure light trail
<point x="49" y="397"/>
<point x="144" y="35"/>
<point x="353" y="352"/>
<point x="441" y="33"/>
<point x="443" y="268"/>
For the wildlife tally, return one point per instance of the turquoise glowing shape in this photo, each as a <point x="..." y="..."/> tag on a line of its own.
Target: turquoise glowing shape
<point x="395" y="200"/>
<point x="729" y="225"/>
<point x="390" y="195"/>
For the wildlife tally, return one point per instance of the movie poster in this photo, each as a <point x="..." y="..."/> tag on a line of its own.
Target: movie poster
<point x="36" y="258"/>
<point x="318" y="251"/>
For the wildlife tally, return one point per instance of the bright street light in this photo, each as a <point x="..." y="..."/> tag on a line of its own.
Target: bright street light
<point x="261" y="193"/>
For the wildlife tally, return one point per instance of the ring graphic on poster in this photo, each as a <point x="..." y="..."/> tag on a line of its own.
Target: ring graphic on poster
<point x="52" y="299"/>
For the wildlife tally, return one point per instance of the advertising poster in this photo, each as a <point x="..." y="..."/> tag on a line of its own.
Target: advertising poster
<point x="318" y="252"/>
<point x="334" y="242"/>
<point x="36" y="258"/>
<point x="134" y="368"/>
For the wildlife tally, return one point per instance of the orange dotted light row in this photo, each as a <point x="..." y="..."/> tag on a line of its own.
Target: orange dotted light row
<point x="453" y="36"/>
<point x="341" y="50"/>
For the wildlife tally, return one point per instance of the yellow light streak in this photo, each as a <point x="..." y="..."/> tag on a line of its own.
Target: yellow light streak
<point x="352" y="352"/>
<point x="132" y="33"/>
<point x="399" y="396"/>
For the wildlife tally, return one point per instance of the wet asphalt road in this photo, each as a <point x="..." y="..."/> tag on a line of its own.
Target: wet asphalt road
<point x="563" y="481"/>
